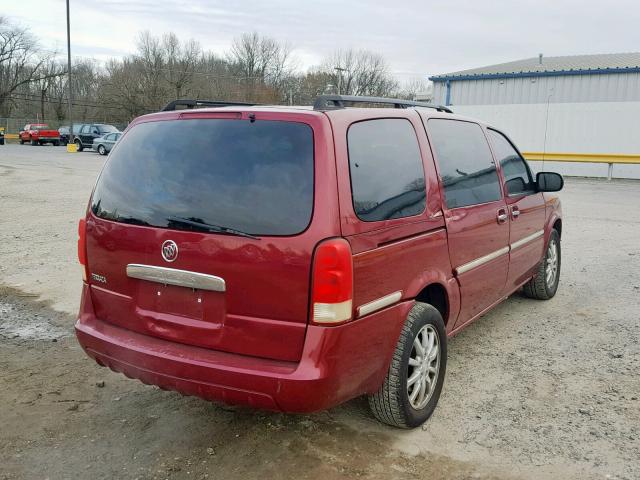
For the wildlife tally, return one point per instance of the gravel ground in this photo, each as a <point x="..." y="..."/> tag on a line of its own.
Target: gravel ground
<point x="534" y="390"/>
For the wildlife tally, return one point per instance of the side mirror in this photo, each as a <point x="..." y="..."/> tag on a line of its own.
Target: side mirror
<point x="549" y="182"/>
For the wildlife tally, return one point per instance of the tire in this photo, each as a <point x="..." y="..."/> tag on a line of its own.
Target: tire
<point x="544" y="284"/>
<point x="102" y="150"/>
<point x="78" y="145"/>
<point x="392" y="404"/>
<point x="56" y="143"/>
<point x="21" y="141"/>
<point x="34" y="142"/>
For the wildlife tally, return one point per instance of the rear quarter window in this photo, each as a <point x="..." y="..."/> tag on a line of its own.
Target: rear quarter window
<point x="254" y="177"/>
<point x="387" y="175"/>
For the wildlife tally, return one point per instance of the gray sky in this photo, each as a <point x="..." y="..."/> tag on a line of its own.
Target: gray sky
<point x="418" y="38"/>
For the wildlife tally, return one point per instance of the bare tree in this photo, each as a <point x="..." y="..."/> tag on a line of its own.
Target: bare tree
<point x="21" y="61"/>
<point x="260" y="62"/>
<point x="256" y="68"/>
<point x="51" y="72"/>
<point x="411" y="89"/>
<point x="359" y="72"/>
<point x="180" y="62"/>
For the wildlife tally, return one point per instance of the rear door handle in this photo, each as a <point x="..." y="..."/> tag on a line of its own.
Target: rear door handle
<point x="502" y="216"/>
<point x="515" y="212"/>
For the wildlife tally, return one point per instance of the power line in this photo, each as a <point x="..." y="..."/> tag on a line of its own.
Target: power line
<point x="37" y="99"/>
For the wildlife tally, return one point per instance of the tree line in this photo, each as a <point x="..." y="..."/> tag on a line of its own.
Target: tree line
<point x="256" y="68"/>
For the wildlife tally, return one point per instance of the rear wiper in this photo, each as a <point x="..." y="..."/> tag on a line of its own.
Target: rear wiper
<point x="210" y="227"/>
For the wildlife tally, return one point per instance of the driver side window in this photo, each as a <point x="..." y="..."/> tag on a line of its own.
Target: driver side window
<point x="516" y="172"/>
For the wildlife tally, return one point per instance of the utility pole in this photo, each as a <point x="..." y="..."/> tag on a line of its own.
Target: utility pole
<point x="340" y="70"/>
<point x="69" y="74"/>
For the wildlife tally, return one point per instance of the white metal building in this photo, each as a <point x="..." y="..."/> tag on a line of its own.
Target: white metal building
<point x="583" y="104"/>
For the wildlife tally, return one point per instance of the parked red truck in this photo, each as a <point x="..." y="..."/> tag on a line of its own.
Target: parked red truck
<point x="293" y="258"/>
<point x="39" y="134"/>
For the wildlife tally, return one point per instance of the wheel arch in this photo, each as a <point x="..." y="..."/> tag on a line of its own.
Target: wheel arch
<point x="444" y="297"/>
<point x="557" y="225"/>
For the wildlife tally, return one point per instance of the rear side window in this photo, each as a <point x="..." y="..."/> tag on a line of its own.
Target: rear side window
<point x="467" y="169"/>
<point x="253" y="177"/>
<point x="387" y="176"/>
<point x="516" y="173"/>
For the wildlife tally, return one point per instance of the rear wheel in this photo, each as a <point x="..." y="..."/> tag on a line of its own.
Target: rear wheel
<point x="412" y="387"/>
<point x="56" y="143"/>
<point x="102" y="150"/>
<point x="545" y="284"/>
<point x="78" y="145"/>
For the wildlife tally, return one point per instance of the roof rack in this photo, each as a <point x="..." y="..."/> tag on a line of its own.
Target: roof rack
<point x="336" y="102"/>
<point x="189" y="104"/>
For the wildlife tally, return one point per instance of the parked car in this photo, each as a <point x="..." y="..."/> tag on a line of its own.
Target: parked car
<point x="39" y="134"/>
<point x="104" y="144"/>
<point x="292" y="259"/>
<point x="65" y="134"/>
<point x="1" y="136"/>
<point x="86" y="133"/>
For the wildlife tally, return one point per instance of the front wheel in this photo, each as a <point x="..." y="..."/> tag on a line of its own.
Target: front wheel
<point x="412" y="387"/>
<point x="545" y="284"/>
<point x="21" y="141"/>
<point x="78" y="145"/>
<point x="102" y="150"/>
<point x="34" y="142"/>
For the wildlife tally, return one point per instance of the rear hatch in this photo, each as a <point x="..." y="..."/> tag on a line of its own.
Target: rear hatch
<point x="200" y="231"/>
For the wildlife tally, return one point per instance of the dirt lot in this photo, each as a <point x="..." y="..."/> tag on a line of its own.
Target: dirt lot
<point x="534" y="390"/>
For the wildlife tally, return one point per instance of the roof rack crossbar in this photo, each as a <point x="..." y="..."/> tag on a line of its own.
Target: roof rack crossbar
<point x="336" y="102"/>
<point x="190" y="104"/>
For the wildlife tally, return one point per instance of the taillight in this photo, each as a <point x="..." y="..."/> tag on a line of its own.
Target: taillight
<point x="82" y="246"/>
<point x="332" y="283"/>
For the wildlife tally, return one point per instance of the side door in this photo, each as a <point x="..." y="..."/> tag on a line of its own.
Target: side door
<point x="84" y="134"/>
<point x="94" y="133"/>
<point x="526" y="211"/>
<point x="24" y="134"/>
<point x="110" y="140"/>
<point x="475" y="213"/>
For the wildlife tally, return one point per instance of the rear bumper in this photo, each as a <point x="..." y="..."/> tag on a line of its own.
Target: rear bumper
<point x="337" y="363"/>
<point x="46" y="140"/>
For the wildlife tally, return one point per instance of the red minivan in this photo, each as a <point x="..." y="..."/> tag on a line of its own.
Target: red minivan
<point x="293" y="258"/>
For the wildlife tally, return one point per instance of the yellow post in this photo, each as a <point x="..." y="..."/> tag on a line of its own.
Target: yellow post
<point x="72" y="148"/>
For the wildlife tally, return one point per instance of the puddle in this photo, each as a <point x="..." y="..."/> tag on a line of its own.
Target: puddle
<point x="22" y="321"/>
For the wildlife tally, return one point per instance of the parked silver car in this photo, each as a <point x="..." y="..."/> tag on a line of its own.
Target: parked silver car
<point x="104" y="144"/>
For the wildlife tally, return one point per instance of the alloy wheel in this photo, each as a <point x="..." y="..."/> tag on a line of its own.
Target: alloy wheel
<point x="551" y="268"/>
<point x="424" y="365"/>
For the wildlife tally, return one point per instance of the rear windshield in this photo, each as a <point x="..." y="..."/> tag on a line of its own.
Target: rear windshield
<point x="256" y="177"/>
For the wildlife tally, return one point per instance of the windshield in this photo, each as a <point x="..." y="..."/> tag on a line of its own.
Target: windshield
<point x="253" y="177"/>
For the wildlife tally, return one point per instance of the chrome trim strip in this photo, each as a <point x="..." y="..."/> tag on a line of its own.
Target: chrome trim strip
<point x="527" y="239"/>
<point x="481" y="261"/>
<point x="180" y="278"/>
<point x="379" y="303"/>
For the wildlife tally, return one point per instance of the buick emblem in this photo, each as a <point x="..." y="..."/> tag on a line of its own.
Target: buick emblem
<point x="169" y="250"/>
